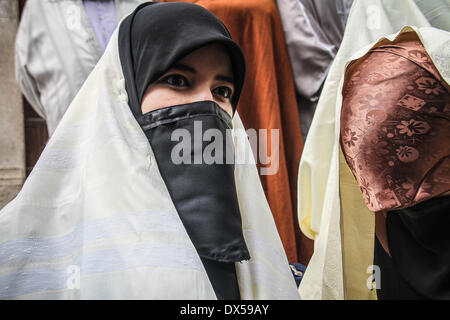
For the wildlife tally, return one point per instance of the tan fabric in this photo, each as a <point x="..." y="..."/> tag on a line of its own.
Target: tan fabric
<point x="357" y="230"/>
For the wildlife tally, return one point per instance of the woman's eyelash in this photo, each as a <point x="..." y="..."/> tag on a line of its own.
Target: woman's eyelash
<point x="176" y="80"/>
<point x="227" y="94"/>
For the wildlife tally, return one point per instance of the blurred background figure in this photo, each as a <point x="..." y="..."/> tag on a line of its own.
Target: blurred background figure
<point x="313" y="31"/>
<point x="58" y="44"/>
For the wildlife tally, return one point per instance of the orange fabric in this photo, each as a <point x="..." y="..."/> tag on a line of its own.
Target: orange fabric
<point x="268" y="102"/>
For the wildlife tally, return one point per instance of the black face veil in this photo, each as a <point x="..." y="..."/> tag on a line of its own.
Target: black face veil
<point x="152" y="39"/>
<point x="156" y="35"/>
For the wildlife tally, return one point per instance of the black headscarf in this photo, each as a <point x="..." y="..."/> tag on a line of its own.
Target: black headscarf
<point x="156" y="35"/>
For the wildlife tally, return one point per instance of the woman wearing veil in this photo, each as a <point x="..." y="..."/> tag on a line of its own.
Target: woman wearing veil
<point x="115" y="209"/>
<point x="332" y="208"/>
<point x="395" y="139"/>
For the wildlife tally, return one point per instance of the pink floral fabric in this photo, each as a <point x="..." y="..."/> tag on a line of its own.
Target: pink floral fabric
<point x="395" y="131"/>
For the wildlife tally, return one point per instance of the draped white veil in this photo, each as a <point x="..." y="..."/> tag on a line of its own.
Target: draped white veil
<point x="94" y="219"/>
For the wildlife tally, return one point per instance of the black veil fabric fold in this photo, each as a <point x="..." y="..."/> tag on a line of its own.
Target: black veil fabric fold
<point x="419" y="242"/>
<point x="209" y="210"/>
<point x="149" y="46"/>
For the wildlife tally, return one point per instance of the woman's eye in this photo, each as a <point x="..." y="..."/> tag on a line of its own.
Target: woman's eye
<point x="176" y="80"/>
<point x="224" y="92"/>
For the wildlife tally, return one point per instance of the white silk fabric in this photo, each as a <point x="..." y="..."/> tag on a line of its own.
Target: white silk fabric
<point x="94" y="219"/>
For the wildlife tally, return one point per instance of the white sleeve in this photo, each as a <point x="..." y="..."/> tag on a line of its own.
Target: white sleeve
<point x="23" y="55"/>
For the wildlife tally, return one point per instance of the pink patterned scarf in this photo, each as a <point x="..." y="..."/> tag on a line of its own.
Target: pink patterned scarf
<point x="395" y="131"/>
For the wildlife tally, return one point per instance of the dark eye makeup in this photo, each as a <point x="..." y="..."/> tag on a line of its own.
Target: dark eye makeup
<point x="180" y="81"/>
<point x="176" y="80"/>
<point x="224" y="92"/>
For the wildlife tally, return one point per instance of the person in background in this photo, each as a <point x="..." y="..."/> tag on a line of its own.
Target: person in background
<point x="313" y="31"/>
<point x="58" y="44"/>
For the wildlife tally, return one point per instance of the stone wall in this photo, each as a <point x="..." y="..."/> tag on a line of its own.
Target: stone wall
<point x="12" y="144"/>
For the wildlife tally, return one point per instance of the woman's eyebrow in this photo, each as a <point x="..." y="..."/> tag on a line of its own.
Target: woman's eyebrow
<point x="183" y="67"/>
<point x="225" y="79"/>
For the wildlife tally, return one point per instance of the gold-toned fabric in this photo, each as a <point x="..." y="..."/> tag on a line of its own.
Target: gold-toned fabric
<point x="395" y="130"/>
<point x="358" y="236"/>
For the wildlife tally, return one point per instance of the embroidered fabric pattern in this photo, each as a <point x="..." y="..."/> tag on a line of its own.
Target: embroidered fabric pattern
<point x="395" y="125"/>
